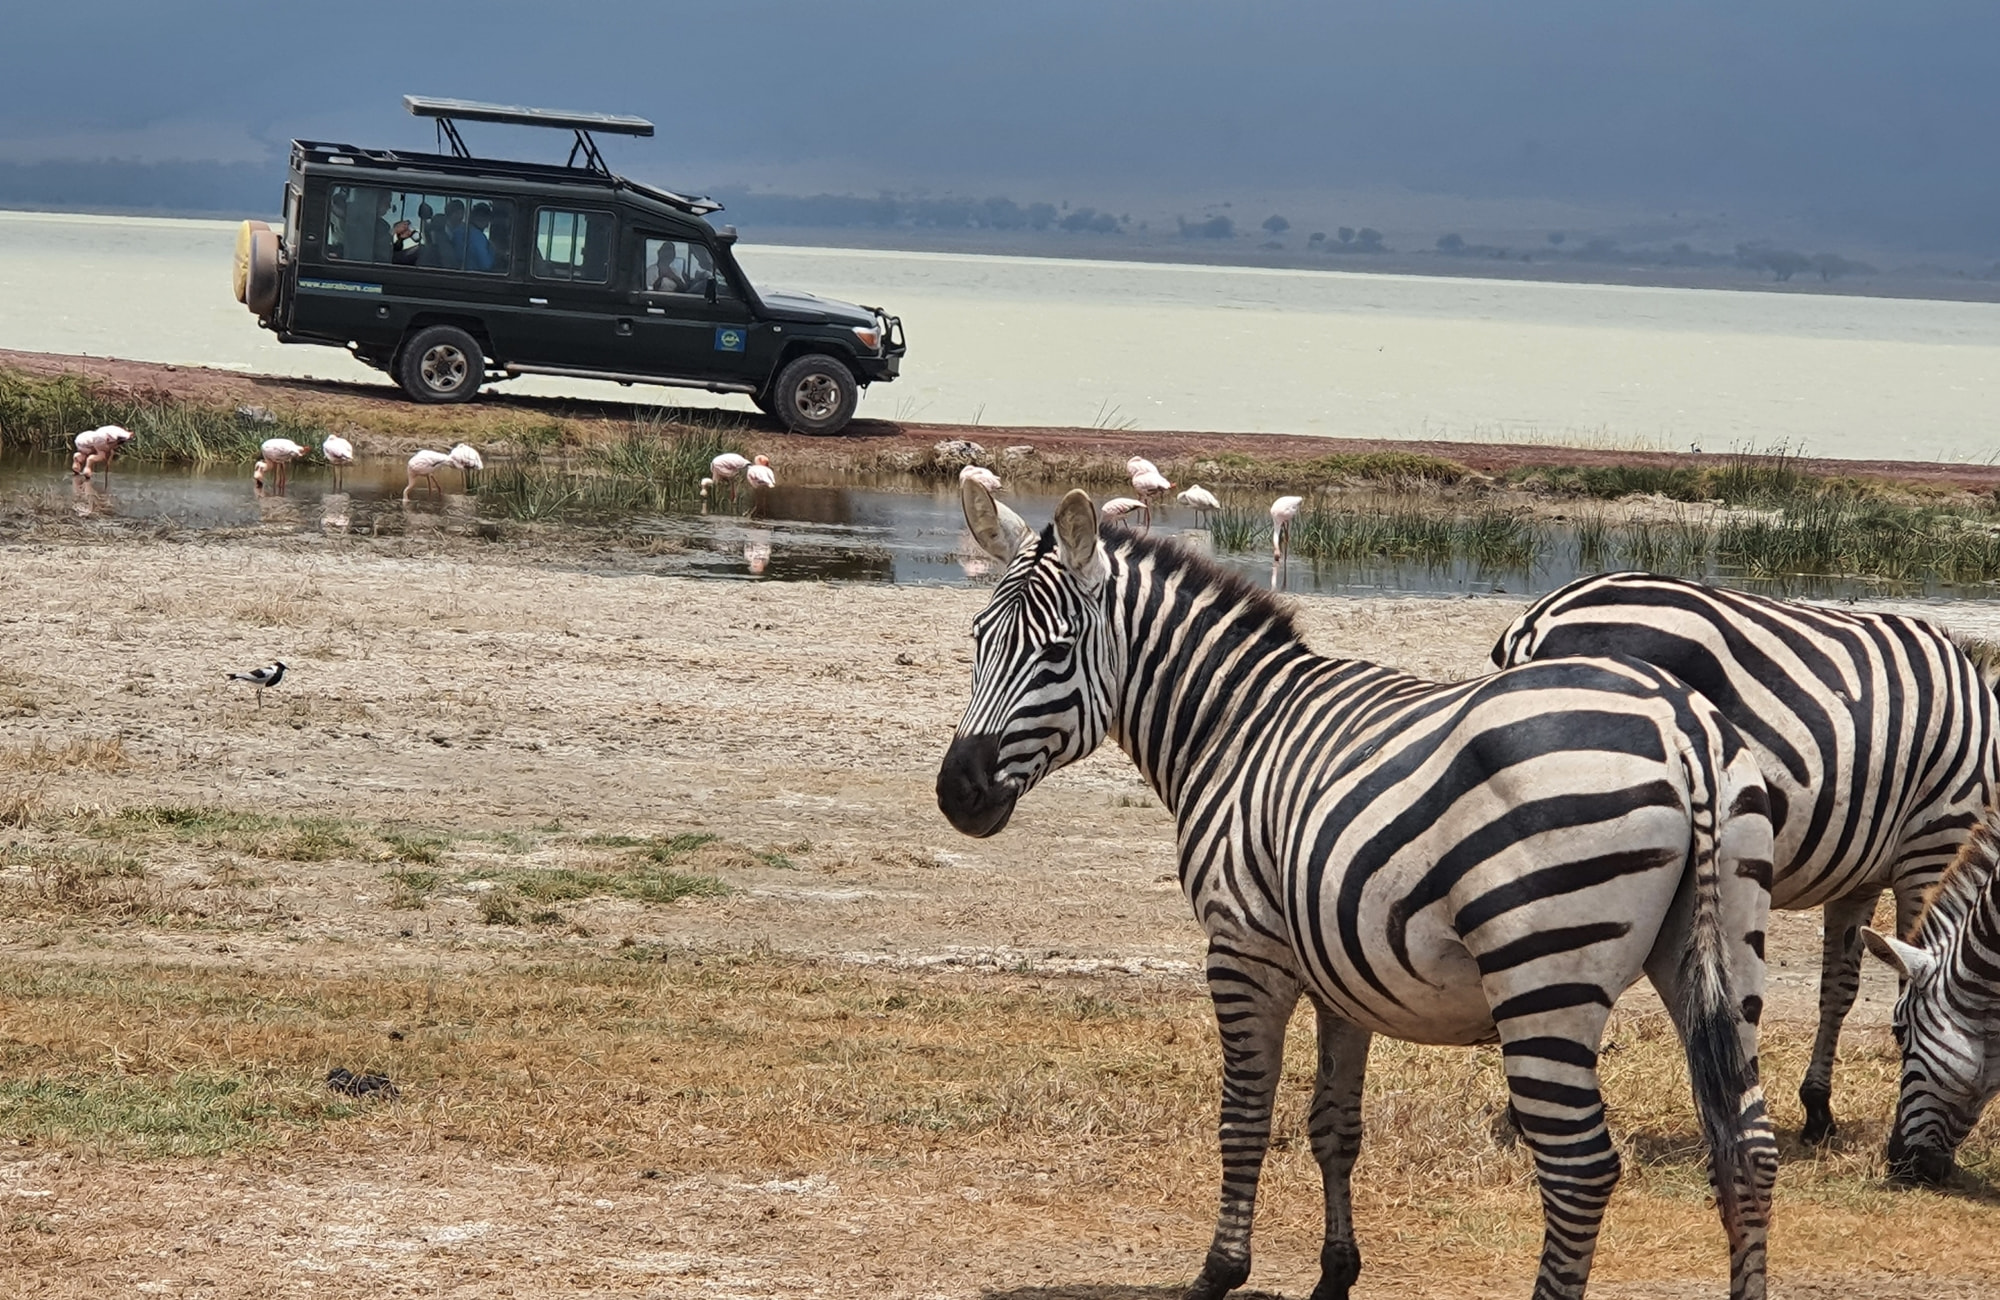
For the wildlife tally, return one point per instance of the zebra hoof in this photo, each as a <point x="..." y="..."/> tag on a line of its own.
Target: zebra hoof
<point x="1339" y="1266"/>
<point x="1219" y="1276"/>
<point x="1819" y="1126"/>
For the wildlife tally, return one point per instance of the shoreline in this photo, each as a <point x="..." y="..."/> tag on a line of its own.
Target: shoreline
<point x="1922" y="283"/>
<point x="382" y="422"/>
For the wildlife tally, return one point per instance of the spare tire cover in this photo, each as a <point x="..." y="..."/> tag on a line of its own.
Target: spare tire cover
<point x="241" y="278"/>
<point x="260" y="286"/>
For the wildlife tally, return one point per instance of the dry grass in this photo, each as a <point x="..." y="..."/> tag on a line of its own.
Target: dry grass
<point x="84" y="754"/>
<point x="1070" y="1100"/>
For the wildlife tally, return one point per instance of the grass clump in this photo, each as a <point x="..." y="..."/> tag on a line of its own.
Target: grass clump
<point x="196" y="1113"/>
<point x="44" y="413"/>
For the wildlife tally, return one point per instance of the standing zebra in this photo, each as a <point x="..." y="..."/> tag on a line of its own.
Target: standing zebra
<point x="1947" y="1018"/>
<point x="1876" y="735"/>
<point x="1492" y="860"/>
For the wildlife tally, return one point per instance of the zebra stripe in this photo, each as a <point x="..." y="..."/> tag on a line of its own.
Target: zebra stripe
<point x="1876" y="735"/>
<point x="1947" y="1017"/>
<point x="1494" y="860"/>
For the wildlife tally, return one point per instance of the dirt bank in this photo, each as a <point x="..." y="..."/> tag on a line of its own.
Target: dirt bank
<point x="382" y="422"/>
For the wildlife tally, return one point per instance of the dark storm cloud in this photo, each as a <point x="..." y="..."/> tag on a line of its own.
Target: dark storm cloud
<point x="1859" y="114"/>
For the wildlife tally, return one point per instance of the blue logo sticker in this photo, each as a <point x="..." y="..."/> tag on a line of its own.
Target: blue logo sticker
<point x="729" y="338"/>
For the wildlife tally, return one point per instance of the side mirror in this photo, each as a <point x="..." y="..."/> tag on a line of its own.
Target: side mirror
<point x="727" y="234"/>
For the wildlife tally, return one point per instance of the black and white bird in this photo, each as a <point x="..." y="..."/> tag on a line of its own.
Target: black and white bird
<point x="269" y="675"/>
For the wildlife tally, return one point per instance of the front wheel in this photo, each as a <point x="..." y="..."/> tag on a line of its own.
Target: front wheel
<point x="814" y="394"/>
<point x="441" y="364"/>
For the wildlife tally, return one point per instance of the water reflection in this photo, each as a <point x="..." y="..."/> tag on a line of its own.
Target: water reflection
<point x="890" y="529"/>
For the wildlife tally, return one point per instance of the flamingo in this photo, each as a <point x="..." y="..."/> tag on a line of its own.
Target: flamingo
<point x="425" y="465"/>
<point x="1140" y="465"/>
<point x="724" y="469"/>
<point x="1117" y="508"/>
<point x="760" y="473"/>
<point x="96" y="447"/>
<point x="1198" y="499"/>
<point x="276" y="454"/>
<point x="985" y="478"/>
<point x="339" y="453"/>
<point x="1149" y="483"/>
<point x="1283" y="511"/>
<point x="468" y="460"/>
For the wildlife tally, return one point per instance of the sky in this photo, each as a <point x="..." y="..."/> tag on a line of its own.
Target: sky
<point x="1866" y="120"/>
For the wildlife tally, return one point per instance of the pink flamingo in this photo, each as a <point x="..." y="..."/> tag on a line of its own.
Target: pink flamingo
<point x="339" y="453"/>
<point x="1283" y="511"/>
<point x="761" y="474"/>
<point x="96" y="447"/>
<point x="1117" y="508"/>
<point x="1149" y="483"/>
<point x="724" y="469"/>
<point x="277" y="455"/>
<point x="425" y="465"/>
<point x="985" y="478"/>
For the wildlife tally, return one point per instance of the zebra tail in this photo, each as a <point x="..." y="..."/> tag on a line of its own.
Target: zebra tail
<point x="1708" y="1010"/>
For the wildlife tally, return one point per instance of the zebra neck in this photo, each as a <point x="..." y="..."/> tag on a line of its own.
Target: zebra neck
<point x="1961" y="923"/>
<point x="1202" y="656"/>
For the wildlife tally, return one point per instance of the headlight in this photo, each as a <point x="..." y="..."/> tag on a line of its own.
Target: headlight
<point x="870" y="336"/>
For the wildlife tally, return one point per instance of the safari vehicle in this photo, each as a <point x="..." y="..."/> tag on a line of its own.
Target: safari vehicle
<point x="450" y="272"/>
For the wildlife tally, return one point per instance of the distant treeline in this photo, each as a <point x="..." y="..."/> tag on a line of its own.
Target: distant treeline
<point x="235" y="188"/>
<point x="888" y="211"/>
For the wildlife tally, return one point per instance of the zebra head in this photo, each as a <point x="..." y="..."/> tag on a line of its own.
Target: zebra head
<point x="1947" y="1017"/>
<point x="1041" y="669"/>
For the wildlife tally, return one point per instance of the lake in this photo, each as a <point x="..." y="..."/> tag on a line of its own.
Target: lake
<point x="1048" y="341"/>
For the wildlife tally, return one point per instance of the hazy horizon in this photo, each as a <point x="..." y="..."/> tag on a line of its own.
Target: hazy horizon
<point x="1829" y="120"/>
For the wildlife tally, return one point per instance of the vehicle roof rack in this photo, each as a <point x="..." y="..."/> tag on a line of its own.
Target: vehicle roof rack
<point x="585" y="148"/>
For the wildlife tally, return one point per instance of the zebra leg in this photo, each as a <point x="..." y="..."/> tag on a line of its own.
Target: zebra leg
<point x="1839" y="982"/>
<point x="1551" y="1061"/>
<point x="1336" y="1140"/>
<point x="1251" y="1012"/>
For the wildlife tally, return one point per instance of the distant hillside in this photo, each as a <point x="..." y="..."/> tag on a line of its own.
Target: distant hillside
<point x="181" y="188"/>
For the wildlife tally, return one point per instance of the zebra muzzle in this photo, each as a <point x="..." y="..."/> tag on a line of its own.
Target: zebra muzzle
<point x="970" y="796"/>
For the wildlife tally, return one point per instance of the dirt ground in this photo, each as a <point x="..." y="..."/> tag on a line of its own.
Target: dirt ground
<point x="461" y="729"/>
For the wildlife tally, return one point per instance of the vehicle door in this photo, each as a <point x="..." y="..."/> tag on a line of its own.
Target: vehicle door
<point x="573" y="308"/>
<point x="689" y="321"/>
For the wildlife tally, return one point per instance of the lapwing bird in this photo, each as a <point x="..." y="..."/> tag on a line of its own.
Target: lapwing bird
<point x="269" y="675"/>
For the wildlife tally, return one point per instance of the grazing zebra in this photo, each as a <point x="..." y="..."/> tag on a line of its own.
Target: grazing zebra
<point x="1489" y="861"/>
<point x="1875" y="733"/>
<point x="1947" y="1019"/>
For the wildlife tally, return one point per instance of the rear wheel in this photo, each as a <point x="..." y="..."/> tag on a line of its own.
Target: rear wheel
<point x="441" y="364"/>
<point x="814" y="394"/>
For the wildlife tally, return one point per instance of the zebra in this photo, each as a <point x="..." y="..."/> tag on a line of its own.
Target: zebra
<point x="1494" y="860"/>
<point x="1947" y="1017"/>
<point x="1876" y="733"/>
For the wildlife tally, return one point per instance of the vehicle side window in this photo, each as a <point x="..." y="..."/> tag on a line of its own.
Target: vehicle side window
<point x="573" y="245"/>
<point x="678" y="266"/>
<point x="446" y="232"/>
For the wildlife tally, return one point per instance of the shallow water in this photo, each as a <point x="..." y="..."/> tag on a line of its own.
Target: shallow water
<point x="883" y="529"/>
<point x="1044" y="341"/>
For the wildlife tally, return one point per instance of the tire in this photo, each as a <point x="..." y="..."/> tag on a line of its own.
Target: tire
<point x="441" y="364"/>
<point x="815" y="394"/>
<point x="260" y="272"/>
<point x="240" y="278"/>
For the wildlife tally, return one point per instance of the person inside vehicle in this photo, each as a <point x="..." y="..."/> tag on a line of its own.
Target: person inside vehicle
<point x="701" y="270"/>
<point x="667" y="277"/>
<point x="366" y="236"/>
<point x="478" y="244"/>
<point x="446" y="248"/>
<point x="410" y="240"/>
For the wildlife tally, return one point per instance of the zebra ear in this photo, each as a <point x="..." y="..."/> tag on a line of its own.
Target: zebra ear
<point x="1910" y="961"/>
<point x="1076" y="537"/>
<point x="998" y="530"/>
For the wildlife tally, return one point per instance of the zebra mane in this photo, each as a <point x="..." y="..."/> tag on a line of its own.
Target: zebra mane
<point x="1956" y="894"/>
<point x="1170" y="557"/>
